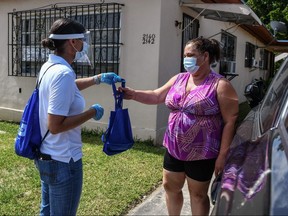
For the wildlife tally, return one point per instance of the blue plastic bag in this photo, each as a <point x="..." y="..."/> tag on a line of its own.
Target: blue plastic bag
<point x="118" y="137"/>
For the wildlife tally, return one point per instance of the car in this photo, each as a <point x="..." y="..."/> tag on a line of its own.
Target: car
<point x="255" y="177"/>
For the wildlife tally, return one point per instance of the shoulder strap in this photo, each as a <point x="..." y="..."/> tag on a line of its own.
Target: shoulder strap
<point x="45" y="136"/>
<point x="39" y="81"/>
<point x="37" y="86"/>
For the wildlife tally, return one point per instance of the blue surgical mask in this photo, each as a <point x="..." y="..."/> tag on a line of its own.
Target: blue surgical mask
<point x="190" y="64"/>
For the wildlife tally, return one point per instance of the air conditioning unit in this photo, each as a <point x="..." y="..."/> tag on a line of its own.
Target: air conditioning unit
<point x="254" y="63"/>
<point x="231" y="66"/>
<point x="228" y="66"/>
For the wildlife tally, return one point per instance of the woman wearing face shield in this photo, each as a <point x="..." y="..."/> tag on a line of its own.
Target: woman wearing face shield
<point x="61" y="111"/>
<point x="203" y="111"/>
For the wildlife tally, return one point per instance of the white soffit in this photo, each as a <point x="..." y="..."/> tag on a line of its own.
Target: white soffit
<point x="236" y="13"/>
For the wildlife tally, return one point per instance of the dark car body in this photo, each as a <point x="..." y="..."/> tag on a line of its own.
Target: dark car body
<point x="255" y="177"/>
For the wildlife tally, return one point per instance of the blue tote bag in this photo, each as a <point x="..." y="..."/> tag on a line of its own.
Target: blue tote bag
<point x="118" y="137"/>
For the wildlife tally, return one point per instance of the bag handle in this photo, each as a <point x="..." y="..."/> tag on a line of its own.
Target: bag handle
<point x="118" y="96"/>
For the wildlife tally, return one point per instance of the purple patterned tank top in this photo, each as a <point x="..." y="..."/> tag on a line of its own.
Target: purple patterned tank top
<point x="195" y="123"/>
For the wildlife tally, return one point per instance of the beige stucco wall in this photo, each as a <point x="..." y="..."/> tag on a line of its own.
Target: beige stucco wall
<point x="139" y="62"/>
<point x="144" y="66"/>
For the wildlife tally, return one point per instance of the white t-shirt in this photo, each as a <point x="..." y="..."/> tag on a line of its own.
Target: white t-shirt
<point x="59" y="95"/>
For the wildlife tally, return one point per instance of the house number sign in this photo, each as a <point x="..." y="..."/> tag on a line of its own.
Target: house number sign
<point x="148" y="38"/>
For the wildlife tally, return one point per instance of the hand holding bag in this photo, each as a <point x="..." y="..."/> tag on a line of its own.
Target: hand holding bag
<point x="118" y="137"/>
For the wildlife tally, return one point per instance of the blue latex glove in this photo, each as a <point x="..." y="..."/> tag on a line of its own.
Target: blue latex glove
<point x="110" y="78"/>
<point x="99" y="111"/>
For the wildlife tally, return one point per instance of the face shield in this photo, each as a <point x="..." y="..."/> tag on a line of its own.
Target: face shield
<point x="85" y="56"/>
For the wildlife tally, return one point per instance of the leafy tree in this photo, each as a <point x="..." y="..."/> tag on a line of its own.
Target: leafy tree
<point x="271" y="10"/>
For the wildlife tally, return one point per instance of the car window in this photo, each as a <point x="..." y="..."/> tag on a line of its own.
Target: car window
<point x="273" y="99"/>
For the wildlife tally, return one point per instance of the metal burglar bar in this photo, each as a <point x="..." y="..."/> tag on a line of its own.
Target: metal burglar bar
<point x="190" y="32"/>
<point x="27" y="29"/>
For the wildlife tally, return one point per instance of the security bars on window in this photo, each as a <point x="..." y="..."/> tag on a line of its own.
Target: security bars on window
<point x="27" y="29"/>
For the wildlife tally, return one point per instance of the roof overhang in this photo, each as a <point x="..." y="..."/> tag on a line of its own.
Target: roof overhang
<point x="238" y="13"/>
<point x="266" y="37"/>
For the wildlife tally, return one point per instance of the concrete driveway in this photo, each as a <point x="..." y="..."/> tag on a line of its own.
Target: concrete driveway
<point x="154" y="204"/>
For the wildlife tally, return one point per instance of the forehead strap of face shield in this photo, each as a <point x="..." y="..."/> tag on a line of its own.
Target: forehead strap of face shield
<point x="69" y="36"/>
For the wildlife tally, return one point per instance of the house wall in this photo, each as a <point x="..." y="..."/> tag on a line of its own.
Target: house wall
<point x="140" y="62"/>
<point x="169" y="56"/>
<point x="144" y="66"/>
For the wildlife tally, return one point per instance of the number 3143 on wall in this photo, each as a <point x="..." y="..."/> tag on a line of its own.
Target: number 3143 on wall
<point x="148" y="38"/>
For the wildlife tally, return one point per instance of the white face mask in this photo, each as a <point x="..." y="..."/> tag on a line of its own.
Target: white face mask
<point x="190" y="64"/>
<point x="82" y="56"/>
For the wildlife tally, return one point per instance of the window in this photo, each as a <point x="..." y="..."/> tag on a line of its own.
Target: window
<point x="274" y="99"/>
<point x="250" y="55"/>
<point x="263" y="61"/>
<point x="27" y="29"/>
<point x="228" y="53"/>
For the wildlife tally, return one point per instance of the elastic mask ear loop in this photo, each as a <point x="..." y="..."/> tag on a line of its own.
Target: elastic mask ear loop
<point x="75" y="47"/>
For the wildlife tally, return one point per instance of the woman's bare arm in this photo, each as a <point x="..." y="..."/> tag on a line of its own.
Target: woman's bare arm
<point x="156" y="96"/>
<point x="228" y="101"/>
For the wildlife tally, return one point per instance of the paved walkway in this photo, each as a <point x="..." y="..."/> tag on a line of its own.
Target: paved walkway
<point x="154" y="204"/>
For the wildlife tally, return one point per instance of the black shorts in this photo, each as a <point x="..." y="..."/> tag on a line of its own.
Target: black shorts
<point x="199" y="170"/>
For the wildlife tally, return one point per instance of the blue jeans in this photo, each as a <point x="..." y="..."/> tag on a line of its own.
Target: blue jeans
<point x="61" y="185"/>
